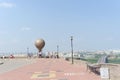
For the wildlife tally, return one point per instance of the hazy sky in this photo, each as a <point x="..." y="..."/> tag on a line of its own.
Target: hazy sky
<point x="94" y="24"/>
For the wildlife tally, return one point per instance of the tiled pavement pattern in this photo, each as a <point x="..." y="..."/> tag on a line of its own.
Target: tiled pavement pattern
<point x="49" y="69"/>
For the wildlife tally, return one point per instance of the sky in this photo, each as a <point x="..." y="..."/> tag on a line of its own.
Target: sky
<point x="94" y="24"/>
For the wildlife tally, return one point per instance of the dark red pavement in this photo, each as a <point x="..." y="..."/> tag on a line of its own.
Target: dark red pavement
<point x="50" y="69"/>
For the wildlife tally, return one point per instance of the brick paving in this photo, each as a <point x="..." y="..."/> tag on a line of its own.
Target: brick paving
<point x="50" y="69"/>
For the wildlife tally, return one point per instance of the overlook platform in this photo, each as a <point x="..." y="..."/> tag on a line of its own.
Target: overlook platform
<point x="47" y="69"/>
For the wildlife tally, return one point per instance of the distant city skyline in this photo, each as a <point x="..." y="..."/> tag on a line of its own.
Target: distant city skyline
<point x="94" y="24"/>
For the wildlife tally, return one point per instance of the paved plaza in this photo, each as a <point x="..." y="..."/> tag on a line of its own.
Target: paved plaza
<point x="44" y="69"/>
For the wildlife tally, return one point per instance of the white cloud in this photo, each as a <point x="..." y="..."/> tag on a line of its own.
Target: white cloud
<point x="15" y="41"/>
<point x="2" y="32"/>
<point x="7" y="5"/>
<point x="109" y="38"/>
<point x="25" y="28"/>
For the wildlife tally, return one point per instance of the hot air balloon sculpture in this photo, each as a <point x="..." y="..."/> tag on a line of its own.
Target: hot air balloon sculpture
<point x="39" y="43"/>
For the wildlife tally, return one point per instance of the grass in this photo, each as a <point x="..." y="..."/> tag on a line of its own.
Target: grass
<point x="116" y="61"/>
<point x="94" y="60"/>
<point x="91" y="60"/>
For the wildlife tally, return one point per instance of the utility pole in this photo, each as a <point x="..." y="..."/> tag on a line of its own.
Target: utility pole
<point x="72" y="49"/>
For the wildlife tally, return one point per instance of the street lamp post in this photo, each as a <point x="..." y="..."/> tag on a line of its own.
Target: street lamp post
<point x="57" y="51"/>
<point x="27" y="50"/>
<point x="72" y="49"/>
<point x="28" y="55"/>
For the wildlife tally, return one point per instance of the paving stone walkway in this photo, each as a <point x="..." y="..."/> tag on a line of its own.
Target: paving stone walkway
<point x="49" y="69"/>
